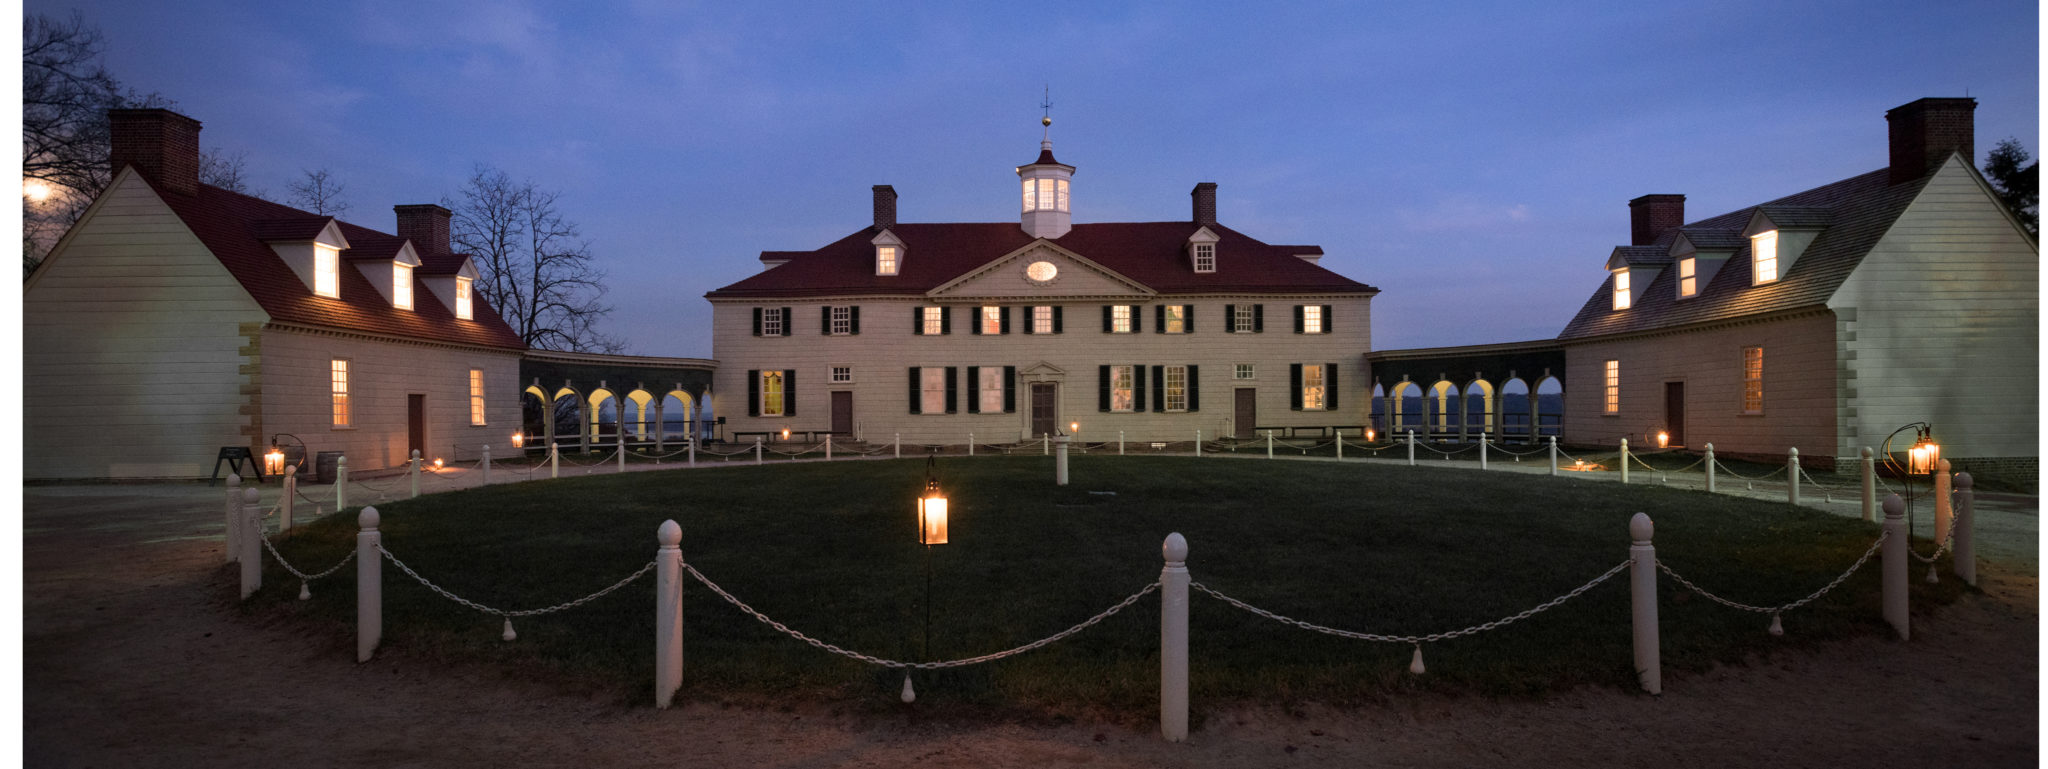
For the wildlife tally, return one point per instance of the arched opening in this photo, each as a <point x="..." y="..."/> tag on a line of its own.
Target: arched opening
<point x="1548" y="409"/>
<point x="1443" y="408"/>
<point x="1407" y="409"/>
<point x="639" y="404"/>
<point x="533" y="417"/>
<point x="568" y="419"/>
<point x="1479" y="407"/>
<point x="1515" y="416"/>
<point x="678" y="415"/>
<point x="1377" y="419"/>
<point x="604" y="410"/>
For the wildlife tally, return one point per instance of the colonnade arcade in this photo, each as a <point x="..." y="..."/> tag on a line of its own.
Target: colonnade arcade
<point x="586" y="400"/>
<point x="1509" y="392"/>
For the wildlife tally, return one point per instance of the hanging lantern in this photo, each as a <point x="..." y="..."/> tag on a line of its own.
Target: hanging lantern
<point x="518" y="440"/>
<point x="931" y="510"/>
<point x="1663" y="439"/>
<point x="1073" y="428"/>
<point x="1925" y="455"/>
<point x="273" y="462"/>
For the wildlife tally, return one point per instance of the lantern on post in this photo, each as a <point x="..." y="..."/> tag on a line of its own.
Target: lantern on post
<point x="273" y="461"/>
<point x="785" y="433"/>
<point x="1925" y="454"/>
<point x="931" y="508"/>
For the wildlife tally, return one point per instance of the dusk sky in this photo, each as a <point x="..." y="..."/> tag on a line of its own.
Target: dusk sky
<point x="1472" y="161"/>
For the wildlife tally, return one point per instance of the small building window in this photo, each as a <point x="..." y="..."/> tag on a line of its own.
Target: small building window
<point x="1120" y="319"/>
<point x="1752" y="380"/>
<point x="1613" y="401"/>
<point x="1688" y="277"/>
<point x="465" y="309"/>
<point x="934" y="321"/>
<point x="932" y="390"/>
<point x="476" y="397"/>
<point x="990" y="378"/>
<point x="1245" y="371"/>
<point x="1030" y="195"/>
<point x="1041" y="320"/>
<point x="326" y="271"/>
<point x="771" y="393"/>
<point x="842" y="321"/>
<point x="1621" y="289"/>
<point x="771" y="323"/>
<point x="1241" y="318"/>
<point x="1763" y="250"/>
<point x="842" y="374"/>
<point x="1313" y="394"/>
<point x="885" y="260"/>
<point x="1205" y="257"/>
<point x="401" y="286"/>
<point x="1122" y="388"/>
<point x="992" y="320"/>
<point x="1312" y="319"/>
<point x="1173" y="319"/>
<point x="1063" y="194"/>
<point x="1176" y="388"/>
<point x="338" y="378"/>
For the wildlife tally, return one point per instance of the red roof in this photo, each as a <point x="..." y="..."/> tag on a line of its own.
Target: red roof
<point x="234" y="226"/>
<point x="1151" y="253"/>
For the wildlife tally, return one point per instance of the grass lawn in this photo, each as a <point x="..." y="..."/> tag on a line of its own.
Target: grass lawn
<point x="830" y="550"/>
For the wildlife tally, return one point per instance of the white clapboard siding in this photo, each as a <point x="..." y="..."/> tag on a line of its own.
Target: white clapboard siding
<point x="132" y="333"/>
<point x="297" y="396"/>
<point x="1940" y="323"/>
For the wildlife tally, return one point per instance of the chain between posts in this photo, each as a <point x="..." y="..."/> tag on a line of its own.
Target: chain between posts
<point x="888" y="663"/>
<point x="304" y="577"/>
<point x="508" y="614"/>
<point x="601" y="460"/>
<point x="1448" y="453"/>
<point x="1765" y="476"/>
<point x="1415" y="639"/>
<point x="1782" y="608"/>
<point x="1947" y="540"/>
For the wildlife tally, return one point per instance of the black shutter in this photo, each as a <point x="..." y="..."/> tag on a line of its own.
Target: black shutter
<point x="757" y="321"/>
<point x="1330" y="383"/>
<point x="787" y="317"/>
<point x="1294" y="386"/>
<point x="974" y="324"/>
<point x="1137" y="320"/>
<point x="1102" y="376"/>
<point x="917" y="320"/>
<point x="854" y="311"/>
<point x="1187" y="319"/>
<point x="1108" y="319"/>
<point x="1158" y="319"/>
<point x="952" y="389"/>
<point x="789" y="393"/>
<point x="1258" y="319"/>
<point x="973" y="389"/>
<point x="1137" y="387"/>
<point x="1229" y="318"/>
<point x="1158" y="388"/>
<point x="825" y="323"/>
<point x="1004" y="326"/>
<point x="1057" y="326"/>
<point x="754" y="389"/>
<point x="1030" y="319"/>
<point x="1009" y="389"/>
<point x="1326" y="319"/>
<point x="1298" y="323"/>
<point x="916" y="394"/>
<point x="1194" y="388"/>
<point x="945" y="320"/>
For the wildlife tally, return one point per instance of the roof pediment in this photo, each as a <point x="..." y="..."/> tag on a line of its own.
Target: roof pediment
<point x="1638" y="256"/>
<point x="1767" y="218"/>
<point x="1075" y="276"/>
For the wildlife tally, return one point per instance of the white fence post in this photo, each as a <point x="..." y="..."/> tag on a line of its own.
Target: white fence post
<point x="1046" y="448"/>
<point x="1709" y="459"/>
<point x="899" y="445"/>
<point x="668" y="613"/>
<point x="284" y="506"/>
<point x="1482" y="450"/>
<point x="252" y="541"/>
<point x="1943" y="510"/>
<point x="1340" y="446"/>
<point x="1966" y="528"/>
<point x="622" y="444"/>
<point x="1198" y="444"/>
<point x="1643" y="601"/>
<point x="487" y="464"/>
<point x="828" y="445"/>
<point x="1120" y="441"/>
<point x="369" y="586"/>
<point x="554" y="460"/>
<point x="1060" y="463"/>
<point x="1269" y="444"/>
<point x="1411" y="447"/>
<point x="340" y="483"/>
<point x="1895" y="544"/>
<point x="693" y="451"/>
<point x="1792" y="475"/>
<point x="757" y="449"/>
<point x="1173" y="640"/>
<point x="1553" y="454"/>
<point x="1624" y="460"/>
<point x="1869" y="485"/>
<point x="232" y="519"/>
<point x="970" y="444"/>
<point x="415" y="473"/>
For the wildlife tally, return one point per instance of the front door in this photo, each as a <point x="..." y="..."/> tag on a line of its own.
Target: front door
<point x="415" y="424"/>
<point x="842" y="412"/>
<point x="1674" y="412"/>
<point x="1247" y="411"/>
<point x="1043" y="417"/>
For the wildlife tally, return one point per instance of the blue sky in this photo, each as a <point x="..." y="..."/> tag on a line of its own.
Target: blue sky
<point x="1474" y="161"/>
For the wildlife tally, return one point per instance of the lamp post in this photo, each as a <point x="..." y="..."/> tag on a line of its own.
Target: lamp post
<point x="931" y="530"/>
<point x="1921" y="459"/>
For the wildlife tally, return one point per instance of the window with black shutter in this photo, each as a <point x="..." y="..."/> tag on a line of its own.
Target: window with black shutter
<point x="952" y="389"/>
<point x="916" y="392"/>
<point x="1294" y="386"/>
<point x="1009" y="389"/>
<point x="754" y="390"/>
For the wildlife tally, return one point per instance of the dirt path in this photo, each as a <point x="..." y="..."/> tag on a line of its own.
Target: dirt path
<point x="133" y="657"/>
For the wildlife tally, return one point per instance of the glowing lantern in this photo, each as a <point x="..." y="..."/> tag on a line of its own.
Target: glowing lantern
<point x="1925" y="455"/>
<point x="931" y="509"/>
<point x="1369" y="434"/>
<point x="785" y="433"/>
<point x="518" y="440"/>
<point x="437" y="463"/>
<point x="1074" y="428"/>
<point x="1663" y="439"/>
<point x="273" y="462"/>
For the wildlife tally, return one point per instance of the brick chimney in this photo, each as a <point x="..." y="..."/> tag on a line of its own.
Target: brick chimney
<point x="426" y="225"/>
<point x="1650" y="215"/>
<point x="1205" y="203"/>
<point x="1924" y="132"/>
<point x="885" y="207"/>
<point x="162" y="145"/>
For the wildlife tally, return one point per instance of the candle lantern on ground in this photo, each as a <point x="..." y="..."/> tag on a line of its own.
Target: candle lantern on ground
<point x="273" y="462"/>
<point x="519" y="440"/>
<point x="1663" y="439"/>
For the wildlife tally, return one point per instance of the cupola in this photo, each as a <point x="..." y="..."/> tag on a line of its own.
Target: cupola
<point x="1045" y="182"/>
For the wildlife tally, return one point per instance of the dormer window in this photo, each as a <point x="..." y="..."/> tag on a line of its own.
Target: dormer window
<point x="326" y="271"/>
<point x="464" y="308"/>
<point x="885" y="260"/>
<point x="1205" y="257"/>
<point x="1688" y="277"/>
<point x="1763" y="251"/>
<point x="401" y="286"/>
<point x="1621" y="297"/>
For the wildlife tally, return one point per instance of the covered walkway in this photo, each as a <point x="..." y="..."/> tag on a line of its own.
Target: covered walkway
<point x="1512" y="392"/>
<point x="580" y="399"/>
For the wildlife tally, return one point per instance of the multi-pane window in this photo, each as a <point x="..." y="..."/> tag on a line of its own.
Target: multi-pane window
<point x="1312" y="319"/>
<point x="1613" y="387"/>
<point x="932" y="390"/>
<point x="1621" y="289"/>
<point x="1752" y="380"/>
<point x="1763" y="250"/>
<point x="1205" y="257"/>
<point x="1041" y="320"/>
<point x="338" y="376"/>
<point x="990" y="378"/>
<point x="1245" y="371"/>
<point x="991" y="320"/>
<point x="1688" y="277"/>
<point x="885" y="260"/>
<point x="476" y="397"/>
<point x="1241" y="317"/>
<point x="1176" y="388"/>
<point x="1174" y="319"/>
<point x="1122" y="388"/>
<point x="1063" y="194"/>
<point x="401" y="286"/>
<point x="842" y="320"/>
<point x="1120" y="319"/>
<point x="1030" y="195"/>
<point x="771" y="323"/>
<point x="464" y="308"/>
<point x="771" y="393"/>
<point x="934" y="321"/>
<point x="326" y="271"/>
<point x="1045" y="194"/>
<point x="842" y="374"/>
<point x="1314" y="396"/>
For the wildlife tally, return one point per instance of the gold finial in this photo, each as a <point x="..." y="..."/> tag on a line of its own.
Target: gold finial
<point x="1047" y="121"/>
<point x="1047" y="106"/>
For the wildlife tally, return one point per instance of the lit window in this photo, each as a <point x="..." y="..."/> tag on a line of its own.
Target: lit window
<point x="1041" y="320"/>
<point x="771" y="323"/>
<point x="1176" y="388"/>
<point x="1063" y="195"/>
<point x="464" y="308"/>
<point x="1621" y="289"/>
<point x="1122" y="392"/>
<point x="1312" y="392"/>
<point x="991" y="320"/>
<point x="842" y="374"/>
<point x="932" y="386"/>
<point x="885" y="260"/>
<point x="934" y="321"/>
<point x="1120" y="319"/>
<point x="1763" y="249"/>
<point x="842" y="320"/>
<point x="1246" y="371"/>
<point x="1752" y="380"/>
<point x="1205" y="257"/>
<point x="1030" y="196"/>
<point x="1046" y="196"/>
<point x="991" y="381"/>
<point x="1312" y="319"/>
<point x="771" y="393"/>
<point x="1688" y="280"/>
<point x="326" y="271"/>
<point x="1241" y="319"/>
<point x="1613" y="387"/>
<point x="339" y="378"/>
<point x="476" y="396"/>
<point x="1176" y="319"/>
<point x="401" y="286"/>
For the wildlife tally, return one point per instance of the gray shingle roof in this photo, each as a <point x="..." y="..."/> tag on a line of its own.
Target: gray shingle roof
<point x="1714" y="239"/>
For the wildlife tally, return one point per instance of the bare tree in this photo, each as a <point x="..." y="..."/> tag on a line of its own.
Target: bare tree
<point x="533" y="264"/>
<point x="223" y="169"/>
<point x="318" y="192"/>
